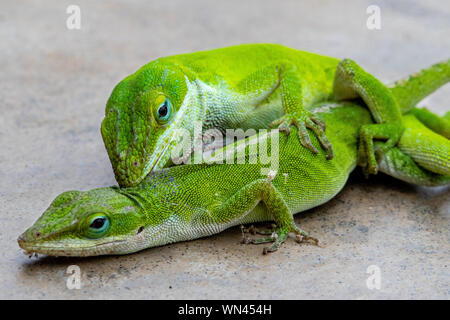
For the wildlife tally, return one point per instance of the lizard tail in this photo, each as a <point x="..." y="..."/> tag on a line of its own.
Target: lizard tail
<point x="447" y="116"/>
<point x="440" y="125"/>
<point x="409" y="91"/>
<point x="428" y="149"/>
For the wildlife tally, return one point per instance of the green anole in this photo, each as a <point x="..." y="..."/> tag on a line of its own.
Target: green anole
<point x="168" y="205"/>
<point x="248" y="86"/>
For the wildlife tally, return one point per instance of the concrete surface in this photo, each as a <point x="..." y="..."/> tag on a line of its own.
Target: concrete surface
<point x="54" y="83"/>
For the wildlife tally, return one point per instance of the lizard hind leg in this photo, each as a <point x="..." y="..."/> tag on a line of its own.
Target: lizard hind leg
<point x="366" y="150"/>
<point x="352" y="82"/>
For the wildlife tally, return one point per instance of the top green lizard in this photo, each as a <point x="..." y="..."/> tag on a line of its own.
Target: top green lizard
<point x="247" y="86"/>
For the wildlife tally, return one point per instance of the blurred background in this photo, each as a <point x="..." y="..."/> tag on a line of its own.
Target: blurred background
<point x="54" y="84"/>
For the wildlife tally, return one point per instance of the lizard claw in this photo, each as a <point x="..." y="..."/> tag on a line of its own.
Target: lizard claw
<point x="303" y="123"/>
<point x="369" y="150"/>
<point x="277" y="236"/>
<point x="301" y="238"/>
<point x="319" y="122"/>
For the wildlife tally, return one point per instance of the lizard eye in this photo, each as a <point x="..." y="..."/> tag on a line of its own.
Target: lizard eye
<point x="98" y="226"/>
<point x="164" y="111"/>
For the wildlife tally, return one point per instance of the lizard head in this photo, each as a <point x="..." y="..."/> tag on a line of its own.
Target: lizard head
<point x="142" y="116"/>
<point x="96" y="222"/>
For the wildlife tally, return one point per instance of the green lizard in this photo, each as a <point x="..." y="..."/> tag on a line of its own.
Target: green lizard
<point x="167" y="206"/>
<point x="248" y="86"/>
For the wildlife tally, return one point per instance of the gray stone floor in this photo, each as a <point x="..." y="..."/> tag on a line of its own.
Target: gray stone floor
<point x="54" y="83"/>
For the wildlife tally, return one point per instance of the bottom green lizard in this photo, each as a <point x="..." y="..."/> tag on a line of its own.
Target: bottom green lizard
<point x="192" y="201"/>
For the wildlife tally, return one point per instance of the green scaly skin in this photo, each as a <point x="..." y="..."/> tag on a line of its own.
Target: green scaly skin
<point x="248" y="86"/>
<point x="168" y="206"/>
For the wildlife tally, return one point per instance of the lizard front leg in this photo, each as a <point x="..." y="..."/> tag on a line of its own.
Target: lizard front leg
<point x="284" y="76"/>
<point x="262" y="190"/>
<point x="292" y="97"/>
<point x="352" y="82"/>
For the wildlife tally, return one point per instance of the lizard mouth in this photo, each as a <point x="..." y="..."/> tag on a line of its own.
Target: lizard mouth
<point x="154" y="165"/>
<point x="160" y="156"/>
<point x="62" y="248"/>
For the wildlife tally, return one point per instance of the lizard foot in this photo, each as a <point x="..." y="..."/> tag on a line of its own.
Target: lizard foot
<point x="303" y="123"/>
<point x="277" y="236"/>
<point x="367" y="149"/>
<point x="255" y="230"/>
